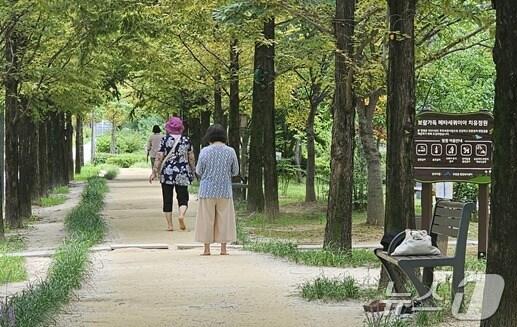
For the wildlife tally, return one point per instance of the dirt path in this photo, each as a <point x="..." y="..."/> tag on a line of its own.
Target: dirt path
<point x="135" y="287"/>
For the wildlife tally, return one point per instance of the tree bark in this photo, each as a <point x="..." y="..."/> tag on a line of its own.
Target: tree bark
<point x="375" y="205"/>
<point x="244" y="149"/>
<point x="43" y="154"/>
<point x="267" y="92"/>
<point x="69" y="147"/>
<point x="234" y="135"/>
<point x="113" y="144"/>
<point x="79" y="143"/>
<point x="218" y="101"/>
<point x="400" y="210"/>
<point x="205" y="123"/>
<point x="502" y="259"/>
<point x="12" y="214"/>
<point x="316" y="97"/>
<point x="26" y="165"/>
<point x="338" y="231"/>
<point x="195" y="133"/>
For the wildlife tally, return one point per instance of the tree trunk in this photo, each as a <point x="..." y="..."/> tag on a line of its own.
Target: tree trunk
<point x="205" y="123"/>
<point x="43" y="154"/>
<point x="338" y="231"/>
<point x="195" y="133"/>
<point x="69" y="144"/>
<point x="244" y="149"/>
<point x="502" y="259"/>
<point x="12" y="214"/>
<point x="234" y="135"/>
<point x="375" y="206"/>
<point x="26" y="165"/>
<point x="113" y="145"/>
<point x="272" y="207"/>
<point x="310" y="188"/>
<point x="400" y="210"/>
<point x="218" y="101"/>
<point x="79" y="144"/>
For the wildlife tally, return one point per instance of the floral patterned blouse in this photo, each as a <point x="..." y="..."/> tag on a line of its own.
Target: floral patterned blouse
<point x="176" y="170"/>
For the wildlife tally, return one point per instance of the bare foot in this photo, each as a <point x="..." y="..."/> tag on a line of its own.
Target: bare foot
<point x="182" y="224"/>
<point x="170" y="229"/>
<point x="205" y="254"/>
<point x="225" y="253"/>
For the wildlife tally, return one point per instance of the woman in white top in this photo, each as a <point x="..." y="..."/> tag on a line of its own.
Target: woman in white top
<point x="153" y="145"/>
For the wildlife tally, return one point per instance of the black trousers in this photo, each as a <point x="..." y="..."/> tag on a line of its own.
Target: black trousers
<point x="168" y="192"/>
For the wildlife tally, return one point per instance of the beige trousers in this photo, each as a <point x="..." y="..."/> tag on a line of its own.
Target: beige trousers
<point x="216" y="221"/>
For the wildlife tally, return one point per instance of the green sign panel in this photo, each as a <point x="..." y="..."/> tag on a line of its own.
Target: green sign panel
<point x="453" y="147"/>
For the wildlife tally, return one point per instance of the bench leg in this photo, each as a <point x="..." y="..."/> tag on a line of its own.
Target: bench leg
<point x="458" y="274"/>
<point x="394" y="274"/>
<point x="423" y="291"/>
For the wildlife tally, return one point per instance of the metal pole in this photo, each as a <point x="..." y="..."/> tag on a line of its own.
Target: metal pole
<point x="483" y="219"/>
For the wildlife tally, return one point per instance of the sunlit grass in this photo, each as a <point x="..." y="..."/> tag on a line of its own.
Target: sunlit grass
<point x="12" y="269"/>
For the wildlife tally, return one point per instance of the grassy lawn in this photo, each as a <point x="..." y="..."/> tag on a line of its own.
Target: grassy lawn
<point x="12" y="269"/>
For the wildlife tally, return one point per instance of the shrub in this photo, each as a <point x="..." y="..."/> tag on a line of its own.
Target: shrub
<point x="327" y="289"/>
<point x="120" y="160"/>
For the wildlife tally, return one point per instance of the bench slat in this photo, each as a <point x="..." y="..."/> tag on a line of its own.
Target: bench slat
<point x="448" y="212"/>
<point x="447" y="221"/>
<point x="445" y="230"/>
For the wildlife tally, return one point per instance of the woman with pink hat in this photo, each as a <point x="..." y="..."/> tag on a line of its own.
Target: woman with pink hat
<point x="175" y="165"/>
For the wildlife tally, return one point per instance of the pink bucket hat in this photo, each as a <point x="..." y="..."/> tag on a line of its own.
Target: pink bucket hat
<point x="174" y="125"/>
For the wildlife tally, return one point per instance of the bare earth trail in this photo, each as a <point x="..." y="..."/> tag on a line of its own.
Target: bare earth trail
<point x="162" y="288"/>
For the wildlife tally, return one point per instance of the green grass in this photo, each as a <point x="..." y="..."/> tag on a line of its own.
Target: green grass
<point x="142" y="164"/>
<point x="320" y="258"/>
<point x="12" y="269"/>
<point x="61" y="190"/>
<point x="87" y="172"/>
<point x="52" y="200"/>
<point x="330" y="289"/>
<point x="110" y="172"/>
<point x="37" y="305"/>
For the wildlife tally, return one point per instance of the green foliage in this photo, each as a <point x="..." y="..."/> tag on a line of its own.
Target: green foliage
<point x="56" y="197"/>
<point x="331" y="289"/>
<point x="465" y="192"/>
<point x="120" y="160"/>
<point x="127" y="141"/>
<point x="111" y="172"/>
<point x="37" y="304"/>
<point x="320" y="258"/>
<point x="87" y="172"/>
<point x="52" y="200"/>
<point x="12" y="269"/>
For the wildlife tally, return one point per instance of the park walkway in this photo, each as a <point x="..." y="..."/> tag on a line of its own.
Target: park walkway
<point x="139" y="287"/>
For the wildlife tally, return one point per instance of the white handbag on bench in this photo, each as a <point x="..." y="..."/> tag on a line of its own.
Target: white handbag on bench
<point x="416" y="242"/>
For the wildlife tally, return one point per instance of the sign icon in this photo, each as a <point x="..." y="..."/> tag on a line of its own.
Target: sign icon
<point x="466" y="150"/>
<point x="421" y="149"/>
<point x="481" y="150"/>
<point x="436" y="150"/>
<point x="451" y="149"/>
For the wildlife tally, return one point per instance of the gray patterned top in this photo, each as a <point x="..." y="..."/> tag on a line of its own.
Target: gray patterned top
<point x="216" y="165"/>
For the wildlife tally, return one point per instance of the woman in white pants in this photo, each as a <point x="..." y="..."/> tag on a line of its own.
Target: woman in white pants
<point x="216" y="166"/>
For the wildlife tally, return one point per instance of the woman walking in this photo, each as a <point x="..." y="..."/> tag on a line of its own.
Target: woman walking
<point x="175" y="165"/>
<point x="154" y="144"/>
<point x="216" y="216"/>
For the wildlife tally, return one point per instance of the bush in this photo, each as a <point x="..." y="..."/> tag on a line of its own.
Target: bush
<point x="119" y="160"/>
<point x="127" y="141"/>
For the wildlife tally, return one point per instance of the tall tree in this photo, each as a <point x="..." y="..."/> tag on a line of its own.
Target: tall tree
<point x="234" y="136"/>
<point x="400" y="210"/>
<point x="338" y="231"/>
<point x="502" y="259"/>
<point x="267" y="93"/>
<point x="79" y="143"/>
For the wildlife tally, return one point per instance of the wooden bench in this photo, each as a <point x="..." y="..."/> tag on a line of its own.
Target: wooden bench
<point x="449" y="219"/>
<point x="239" y="186"/>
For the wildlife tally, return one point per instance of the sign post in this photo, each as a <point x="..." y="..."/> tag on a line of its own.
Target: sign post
<point x="452" y="147"/>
